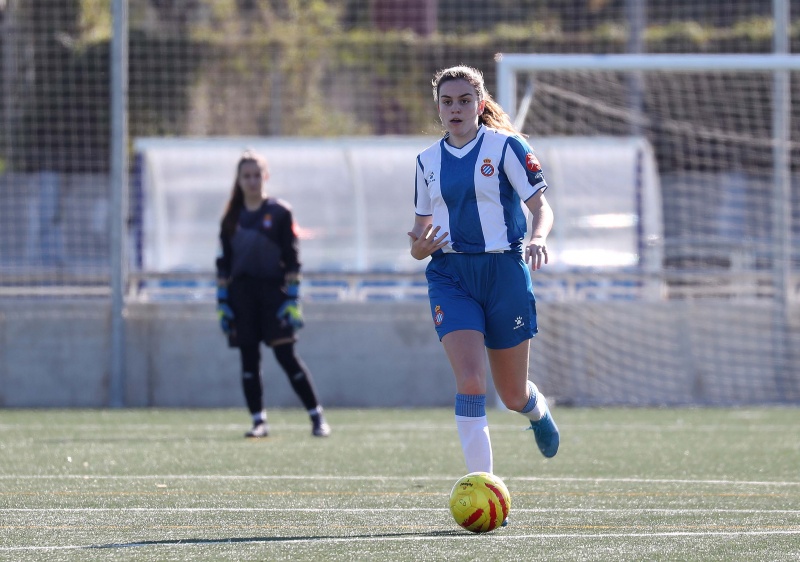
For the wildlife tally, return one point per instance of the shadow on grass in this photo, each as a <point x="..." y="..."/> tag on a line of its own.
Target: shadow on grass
<point x="236" y="540"/>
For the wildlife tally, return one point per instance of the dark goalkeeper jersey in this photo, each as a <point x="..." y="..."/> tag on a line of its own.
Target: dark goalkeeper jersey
<point x="264" y="245"/>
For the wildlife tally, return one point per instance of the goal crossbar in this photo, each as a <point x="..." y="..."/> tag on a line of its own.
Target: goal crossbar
<point x="509" y="64"/>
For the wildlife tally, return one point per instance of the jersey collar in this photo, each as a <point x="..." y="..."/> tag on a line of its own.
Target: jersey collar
<point x="459" y="152"/>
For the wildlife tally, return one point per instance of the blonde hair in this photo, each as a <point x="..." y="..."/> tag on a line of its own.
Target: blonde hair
<point x="493" y="115"/>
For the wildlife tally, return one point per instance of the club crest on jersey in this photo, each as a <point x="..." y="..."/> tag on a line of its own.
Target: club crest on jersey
<point x="266" y="222"/>
<point x="532" y="163"/>
<point x="486" y="168"/>
<point x="438" y="315"/>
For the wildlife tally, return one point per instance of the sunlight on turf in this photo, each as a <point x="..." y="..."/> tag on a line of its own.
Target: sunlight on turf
<point x="183" y="484"/>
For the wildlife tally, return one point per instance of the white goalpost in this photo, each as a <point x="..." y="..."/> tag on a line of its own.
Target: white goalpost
<point x="509" y="66"/>
<point x="720" y="126"/>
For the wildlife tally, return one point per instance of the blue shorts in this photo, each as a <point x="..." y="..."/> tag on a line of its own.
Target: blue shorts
<point x="490" y="293"/>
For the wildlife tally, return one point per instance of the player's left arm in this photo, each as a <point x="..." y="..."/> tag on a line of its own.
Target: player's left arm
<point x="289" y="243"/>
<point x="541" y="225"/>
<point x="525" y="173"/>
<point x="290" y="311"/>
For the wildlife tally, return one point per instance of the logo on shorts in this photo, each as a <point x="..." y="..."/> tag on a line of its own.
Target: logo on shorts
<point x="486" y="168"/>
<point x="438" y="315"/>
<point x="518" y="322"/>
<point x="532" y="162"/>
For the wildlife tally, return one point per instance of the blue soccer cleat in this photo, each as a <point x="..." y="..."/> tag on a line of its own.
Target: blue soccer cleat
<point x="546" y="433"/>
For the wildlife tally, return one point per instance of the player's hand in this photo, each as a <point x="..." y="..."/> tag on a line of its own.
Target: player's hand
<point x="224" y="311"/>
<point x="536" y="253"/>
<point x="225" y="315"/>
<point x="291" y="313"/>
<point x="427" y="243"/>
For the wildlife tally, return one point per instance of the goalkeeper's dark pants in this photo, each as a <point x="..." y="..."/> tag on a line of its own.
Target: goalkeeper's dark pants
<point x="297" y="372"/>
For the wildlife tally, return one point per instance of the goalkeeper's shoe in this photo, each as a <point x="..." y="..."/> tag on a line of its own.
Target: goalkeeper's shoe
<point x="260" y="429"/>
<point x="319" y="427"/>
<point x="546" y="433"/>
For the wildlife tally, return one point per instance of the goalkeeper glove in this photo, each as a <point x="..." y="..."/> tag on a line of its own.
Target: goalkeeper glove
<point x="290" y="311"/>
<point x="224" y="311"/>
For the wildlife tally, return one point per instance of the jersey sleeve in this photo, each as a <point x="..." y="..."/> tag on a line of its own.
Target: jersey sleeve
<point x="523" y="168"/>
<point x="289" y="243"/>
<point x="422" y="197"/>
<point x="223" y="261"/>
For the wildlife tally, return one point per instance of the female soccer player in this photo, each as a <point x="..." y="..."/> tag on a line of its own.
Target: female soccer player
<point x="470" y="187"/>
<point x="258" y="287"/>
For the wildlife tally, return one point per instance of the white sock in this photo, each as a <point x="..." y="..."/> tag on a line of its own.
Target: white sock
<point x="260" y="417"/>
<point x="475" y="442"/>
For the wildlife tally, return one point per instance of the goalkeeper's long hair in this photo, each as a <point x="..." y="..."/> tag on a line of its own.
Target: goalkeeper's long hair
<point x="493" y="115"/>
<point x="230" y="218"/>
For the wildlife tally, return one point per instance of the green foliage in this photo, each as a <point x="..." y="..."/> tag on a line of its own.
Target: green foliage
<point x="94" y="21"/>
<point x="291" y="55"/>
<point x="756" y="29"/>
<point x="686" y="31"/>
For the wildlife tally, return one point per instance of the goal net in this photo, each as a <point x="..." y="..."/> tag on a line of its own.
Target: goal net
<point x="720" y="130"/>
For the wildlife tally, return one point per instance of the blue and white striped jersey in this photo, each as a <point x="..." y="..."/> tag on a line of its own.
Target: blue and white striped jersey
<point x="476" y="192"/>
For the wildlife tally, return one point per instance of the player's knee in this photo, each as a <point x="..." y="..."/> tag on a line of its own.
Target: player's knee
<point x="251" y="358"/>
<point x="471" y="382"/>
<point x="515" y="403"/>
<point x="287" y="358"/>
<point x="513" y="400"/>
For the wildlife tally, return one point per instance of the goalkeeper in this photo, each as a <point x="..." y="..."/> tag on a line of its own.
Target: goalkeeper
<point x="258" y="282"/>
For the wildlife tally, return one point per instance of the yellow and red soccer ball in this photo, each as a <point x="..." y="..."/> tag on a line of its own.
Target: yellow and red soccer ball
<point x="480" y="502"/>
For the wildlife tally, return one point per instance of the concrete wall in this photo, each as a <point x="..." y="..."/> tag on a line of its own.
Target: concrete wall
<point x="361" y="354"/>
<point x="375" y="354"/>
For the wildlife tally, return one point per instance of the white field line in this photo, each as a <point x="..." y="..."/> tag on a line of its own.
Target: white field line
<point x="170" y="429"/>
<point x="322" y="477"/>
<point x="665" y="511"/>
<point x="405" y="538"/>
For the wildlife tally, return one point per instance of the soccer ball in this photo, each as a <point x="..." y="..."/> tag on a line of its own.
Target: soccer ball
<point x="480" y="502"/>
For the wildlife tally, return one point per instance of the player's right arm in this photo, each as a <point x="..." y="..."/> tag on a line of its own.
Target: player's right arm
<point x="425" y="239"/>
<point x="223" y="262"/>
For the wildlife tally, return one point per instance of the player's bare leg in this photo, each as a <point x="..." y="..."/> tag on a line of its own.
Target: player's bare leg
<point x="467" y="357"/>
<point x="510" y="376"/>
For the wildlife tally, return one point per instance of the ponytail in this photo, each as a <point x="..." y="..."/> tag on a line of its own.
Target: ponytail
<point x="493" y="116"/>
